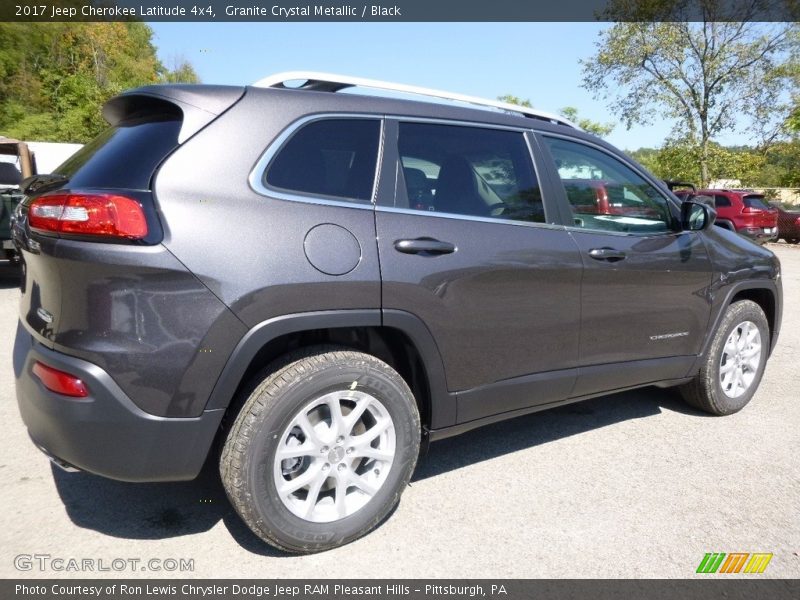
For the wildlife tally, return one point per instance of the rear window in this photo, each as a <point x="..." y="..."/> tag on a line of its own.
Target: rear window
<point x="755" y="202"/>
<point x="331" y="157"/>
<point x="124" y="156"/>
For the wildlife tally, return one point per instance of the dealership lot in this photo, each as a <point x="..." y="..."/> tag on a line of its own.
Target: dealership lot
<point x="628" y="485"/>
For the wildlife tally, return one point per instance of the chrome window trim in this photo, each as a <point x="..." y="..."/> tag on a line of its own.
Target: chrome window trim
<point x="628" y="164"/>
<point x="257" y="173"/>
<point x="444" y="215"/>
<point x="456" y="123"/>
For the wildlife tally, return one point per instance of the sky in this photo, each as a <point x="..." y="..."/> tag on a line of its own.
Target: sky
<point x="537" y="61"/>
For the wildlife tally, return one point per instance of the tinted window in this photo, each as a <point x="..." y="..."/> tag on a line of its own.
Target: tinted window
<point x="125" y="156"/>
<point x="755" y="202"/>
<point x="721" y="200"/>
<point x="605" y="194"/>
<point x="331" y="157"/>
<point x="469" y="171"/>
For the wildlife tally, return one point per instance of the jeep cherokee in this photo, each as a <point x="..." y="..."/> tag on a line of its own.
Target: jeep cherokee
<point x="391" y="272"/>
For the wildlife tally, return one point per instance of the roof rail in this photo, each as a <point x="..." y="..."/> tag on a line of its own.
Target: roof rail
<point x="329" y="82"/>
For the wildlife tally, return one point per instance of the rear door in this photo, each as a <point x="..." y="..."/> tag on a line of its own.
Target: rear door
<point x="468" y="244"/>
<point x="645" y="299"/>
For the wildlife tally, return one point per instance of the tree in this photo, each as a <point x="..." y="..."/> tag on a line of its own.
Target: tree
<point x="181" y="71"/>
<point x="680" y="161"/>
<point x="568" y="112"/>
<point x="54" y="77"/>
<point x="703" y="74"/>
<point x="593" y="127"/>
<point x="515" y="100"/>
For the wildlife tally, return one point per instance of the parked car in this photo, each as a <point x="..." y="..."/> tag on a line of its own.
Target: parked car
<point x="351" y="312"/>
<point x="742" y="211"/>
<point x="788" y="223"/>
<point x="20" y="164"/>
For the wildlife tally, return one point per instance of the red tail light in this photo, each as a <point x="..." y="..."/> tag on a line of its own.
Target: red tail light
<point x="108" y="215"/>
<point x="60" y="382"/>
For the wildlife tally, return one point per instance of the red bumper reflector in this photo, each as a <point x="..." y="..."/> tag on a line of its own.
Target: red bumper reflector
<point x="60" y="382"/>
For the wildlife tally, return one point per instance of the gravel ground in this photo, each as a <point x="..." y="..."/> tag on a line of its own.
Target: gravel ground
<point x="628" y="485"/>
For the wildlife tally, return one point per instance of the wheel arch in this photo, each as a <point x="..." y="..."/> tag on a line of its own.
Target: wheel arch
<point x="398" y="338"/>
<point x="764" y="293"/>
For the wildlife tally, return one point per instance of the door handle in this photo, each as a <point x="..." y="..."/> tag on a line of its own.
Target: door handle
<point x="425" y="246"/>
<point x="607" y="254"/>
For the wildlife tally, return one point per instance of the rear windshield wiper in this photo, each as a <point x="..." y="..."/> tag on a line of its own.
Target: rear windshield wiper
<point x="37" y="183"/>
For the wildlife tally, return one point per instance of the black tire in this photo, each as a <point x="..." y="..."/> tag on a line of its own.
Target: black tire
<point x="792" y="240"/>
<point x="248" y="463"/>
<point x="705" y="391"/>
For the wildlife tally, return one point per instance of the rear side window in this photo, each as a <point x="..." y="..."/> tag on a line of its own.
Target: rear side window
<point x="720" y="200"/>
<point x="755" y="202"/>
<point x="124" y="156"/>
<point x="334" y="158"/>
<point x="473" y="171"/>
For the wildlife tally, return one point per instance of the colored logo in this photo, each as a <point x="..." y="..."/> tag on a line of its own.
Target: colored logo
<point x="735" y="562"/>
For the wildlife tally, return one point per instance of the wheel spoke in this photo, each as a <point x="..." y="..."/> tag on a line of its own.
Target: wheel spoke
<point x="341" y="497"/>
<point x="308" y="429"/>
<point x="361" y="405"/>
<point x="362" y="484"/>
<point x="306" y="449"/>
<point x="728" y="379"/>
<point x="727" y="367"/>
<point x="291" y="486"/>
<point x="338" y="425"/>
<point x="370" y="452"/>
<point x="313" y="493"/>
<point x="737" y="381"/>
<point x="371" y="433"/>
<point x="752" y="363"/>
<point x="750" y="352"/>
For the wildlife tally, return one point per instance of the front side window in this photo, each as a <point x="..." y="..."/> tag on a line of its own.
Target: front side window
<point x="605" y="194"/>
<point x="333" y="158"/>
<point x="471" y="171"/>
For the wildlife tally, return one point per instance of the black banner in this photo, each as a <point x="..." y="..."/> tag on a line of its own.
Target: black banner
<point x="709" y="588"/>
<point x="399" y="10"/>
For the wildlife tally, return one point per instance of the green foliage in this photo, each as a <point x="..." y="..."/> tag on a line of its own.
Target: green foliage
<point x="777" y="167"/>
<point x="706" y="75"/>
<point x="568" y="112"/>
<point x="515" y="100"/>
<point x="593" y="127"/>
<point x="55" y="77"/>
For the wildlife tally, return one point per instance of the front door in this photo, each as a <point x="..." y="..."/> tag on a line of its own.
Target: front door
<point x="644" y="298"/>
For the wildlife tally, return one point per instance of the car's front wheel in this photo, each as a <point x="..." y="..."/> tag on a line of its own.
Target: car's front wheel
<point x="735" y="361"/>
<point x="321" y="449"/>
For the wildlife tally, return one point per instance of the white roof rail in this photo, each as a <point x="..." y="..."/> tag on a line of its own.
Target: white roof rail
<point x="329" y="82"/>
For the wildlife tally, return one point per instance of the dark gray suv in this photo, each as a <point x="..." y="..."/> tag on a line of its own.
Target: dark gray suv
<point x="322" y="282"/>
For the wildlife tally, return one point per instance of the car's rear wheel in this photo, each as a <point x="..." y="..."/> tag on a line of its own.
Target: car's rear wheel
<point x="792" y="240"/>
<point x="322" y="449"/>
<point x="735" y="362"/>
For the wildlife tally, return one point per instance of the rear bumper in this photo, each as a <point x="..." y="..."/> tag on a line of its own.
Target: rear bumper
<point x="106" y="433"/>
<point x="757" y="234"/>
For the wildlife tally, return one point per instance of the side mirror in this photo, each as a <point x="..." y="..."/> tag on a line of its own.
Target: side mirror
<point x="697" y="216"/>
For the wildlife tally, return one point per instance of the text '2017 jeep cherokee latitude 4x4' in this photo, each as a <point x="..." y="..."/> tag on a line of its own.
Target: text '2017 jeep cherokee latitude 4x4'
<point x="392" y="272"/>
